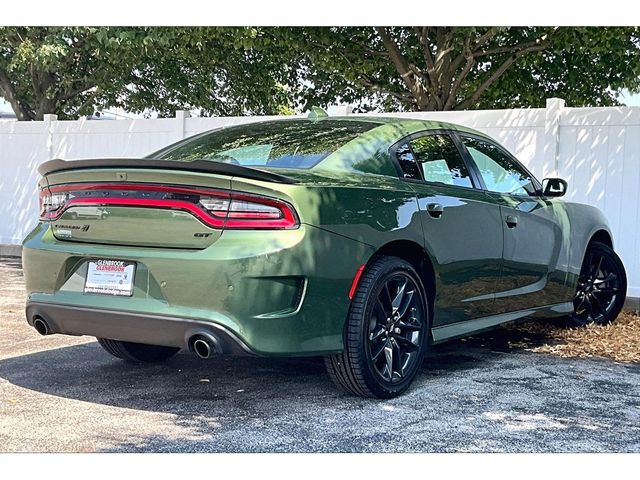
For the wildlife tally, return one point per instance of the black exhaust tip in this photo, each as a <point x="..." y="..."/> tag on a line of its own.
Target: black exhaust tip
<point x="41" y="326"/>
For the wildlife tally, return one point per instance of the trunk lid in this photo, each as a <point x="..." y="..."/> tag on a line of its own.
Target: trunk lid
<point x="116" y="202"/>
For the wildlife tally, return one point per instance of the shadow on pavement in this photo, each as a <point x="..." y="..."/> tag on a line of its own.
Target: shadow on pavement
<point x="470" y="396"/>
<point x="85" y="372"/>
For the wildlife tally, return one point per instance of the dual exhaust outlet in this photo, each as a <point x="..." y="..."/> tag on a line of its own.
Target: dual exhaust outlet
<point x="202" y="344"/>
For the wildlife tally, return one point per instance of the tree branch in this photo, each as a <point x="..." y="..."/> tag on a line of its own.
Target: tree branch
<point x="497" y="74"/>
<point x="471" y="61"/>
<point x="402" y="66"/>
<point x="423" y="36"/>
<point x="485" y="37"/>
<point x="542" y="40"/>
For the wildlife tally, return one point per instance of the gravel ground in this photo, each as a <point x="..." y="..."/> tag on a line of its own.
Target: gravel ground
<point x="64" y="394"/>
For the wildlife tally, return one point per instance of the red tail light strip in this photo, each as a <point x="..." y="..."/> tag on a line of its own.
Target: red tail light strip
<point x="287" y="219"/>
<point x="74" y="187"/>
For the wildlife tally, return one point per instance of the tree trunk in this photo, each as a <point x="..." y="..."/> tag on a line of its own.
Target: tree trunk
<point x="8" y="91"/>
<point x="45" y="106"/>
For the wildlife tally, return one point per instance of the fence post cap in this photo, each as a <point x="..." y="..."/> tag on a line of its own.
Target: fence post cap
<point x="555" y="102"/>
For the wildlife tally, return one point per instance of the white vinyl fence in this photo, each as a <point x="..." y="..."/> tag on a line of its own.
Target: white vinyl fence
<point x="597" y="150"/>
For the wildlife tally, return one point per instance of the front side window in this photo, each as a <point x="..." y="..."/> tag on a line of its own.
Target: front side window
<point x="440" y="161"/>
<point x="500" y="172"/>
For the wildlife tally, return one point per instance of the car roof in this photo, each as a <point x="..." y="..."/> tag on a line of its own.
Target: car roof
<point x="409" y="125"/>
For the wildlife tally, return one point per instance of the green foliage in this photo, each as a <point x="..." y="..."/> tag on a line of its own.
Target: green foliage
<point x="443" y="68"/>
<point x="73" y="71"/>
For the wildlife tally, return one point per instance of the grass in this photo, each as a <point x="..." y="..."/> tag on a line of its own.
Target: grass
<point x="619" y="341"/>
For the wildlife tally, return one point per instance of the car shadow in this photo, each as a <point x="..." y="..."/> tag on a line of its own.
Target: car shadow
<point x="87" y="373"/>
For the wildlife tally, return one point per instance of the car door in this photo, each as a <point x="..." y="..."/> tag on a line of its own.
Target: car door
<point x="532" y="233"/>
<point x="462" y="230"/>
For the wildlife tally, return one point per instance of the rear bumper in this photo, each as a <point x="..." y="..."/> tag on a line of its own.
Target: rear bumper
<point x="281" y="293"/>
<point x="133" y="327"/>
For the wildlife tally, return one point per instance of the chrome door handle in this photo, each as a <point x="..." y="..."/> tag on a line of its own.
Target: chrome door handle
<point x="511" y="221"/>
<point x="435" y="210"/>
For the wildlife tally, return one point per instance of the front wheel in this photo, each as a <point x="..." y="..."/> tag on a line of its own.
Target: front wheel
<point x="386" y="332"/>
<point x="137" y="352"/>
<point x="602" y="287"/>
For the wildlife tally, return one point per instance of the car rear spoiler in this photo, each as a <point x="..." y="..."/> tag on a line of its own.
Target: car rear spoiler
<point x="206" y="166"/>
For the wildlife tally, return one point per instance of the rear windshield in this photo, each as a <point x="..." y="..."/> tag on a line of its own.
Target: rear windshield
<point x="281" y="143"/>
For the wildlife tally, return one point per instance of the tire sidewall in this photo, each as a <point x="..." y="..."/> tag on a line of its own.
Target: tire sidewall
<point x="619" y="301"/>
<point x="390" y="267"/>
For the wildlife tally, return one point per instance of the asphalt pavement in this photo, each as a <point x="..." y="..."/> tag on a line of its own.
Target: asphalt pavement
<point x="65" y="394"/>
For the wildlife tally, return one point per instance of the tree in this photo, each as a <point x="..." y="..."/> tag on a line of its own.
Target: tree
<point x="73" y="71"/>
<point x="453" y="68"/>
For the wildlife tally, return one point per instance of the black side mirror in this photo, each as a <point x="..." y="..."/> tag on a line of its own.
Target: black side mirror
<point x="554" y="187"/>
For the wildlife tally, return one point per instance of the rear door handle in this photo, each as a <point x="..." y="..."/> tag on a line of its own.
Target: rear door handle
<point x="435" y="210"/>
<point x="511" y="221"/>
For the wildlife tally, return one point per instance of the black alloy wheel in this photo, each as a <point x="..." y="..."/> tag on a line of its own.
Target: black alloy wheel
<point x="395" y="328"/>
<point x="386" y="331"/>
<point x="601" y="288"/>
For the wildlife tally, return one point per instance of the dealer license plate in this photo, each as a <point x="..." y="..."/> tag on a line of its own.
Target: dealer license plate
<point x="110" y="277"/>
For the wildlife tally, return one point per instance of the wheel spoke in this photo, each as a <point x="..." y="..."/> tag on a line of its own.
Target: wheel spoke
<point x="388" y="353"/>
<point x="597" y="269"/>
<point x="412" y="326"/>
<point x="397" y="301"/>
<point x="379" y="306"/>
<point x="405" y="303"/>
<point x="376" y="355"/>
<point x="389" y="299"/>
<point x="397" y="359"/>
<point x="608" y="278"/>
<point x="610" y="291"/>
<point x="406" y="343"/>
<point x="376" y="334"/>
<point x="582" y="300"/>
<point x="597" y="305"/>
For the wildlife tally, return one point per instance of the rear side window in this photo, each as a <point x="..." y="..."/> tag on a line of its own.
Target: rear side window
<point x="407" y="162"/>
<point x="283" y="143"/>
<point x="434" y="158"/>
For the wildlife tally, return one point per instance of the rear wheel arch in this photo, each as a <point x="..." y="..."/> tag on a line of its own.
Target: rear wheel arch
<point x="418" y="257"/>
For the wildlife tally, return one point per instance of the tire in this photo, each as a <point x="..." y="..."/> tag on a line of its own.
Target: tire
<point x="601" y="288"/>
<point x="137" y="352"/>
<point x="363" y="368"/>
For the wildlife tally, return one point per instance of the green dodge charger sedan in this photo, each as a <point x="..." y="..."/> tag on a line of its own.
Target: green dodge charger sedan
<point x="365" y="240"/>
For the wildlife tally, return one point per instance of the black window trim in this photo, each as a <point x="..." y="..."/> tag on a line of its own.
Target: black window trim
<point x="458" y="135"/>
<point x="476" y="180"/>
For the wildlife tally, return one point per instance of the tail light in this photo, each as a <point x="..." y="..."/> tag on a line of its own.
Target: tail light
<point x="215" y="208"/>
<point x="51" y="203"/>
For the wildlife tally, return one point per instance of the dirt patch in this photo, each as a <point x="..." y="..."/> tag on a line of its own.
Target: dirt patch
<point x="619" y="341"/>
